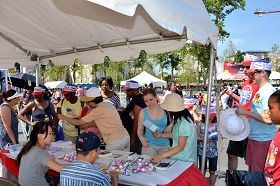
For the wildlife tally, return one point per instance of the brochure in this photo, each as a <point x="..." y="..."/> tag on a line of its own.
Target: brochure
<point x="150" y="125"/>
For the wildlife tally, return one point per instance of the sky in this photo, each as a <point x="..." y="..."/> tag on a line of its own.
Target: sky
<point x="249" y="31"/>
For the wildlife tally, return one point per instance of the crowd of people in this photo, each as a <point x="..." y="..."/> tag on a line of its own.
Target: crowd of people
<point x="93" y="118"/>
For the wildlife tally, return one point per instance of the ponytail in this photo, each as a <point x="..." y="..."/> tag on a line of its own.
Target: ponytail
<point x="39" y="128"/>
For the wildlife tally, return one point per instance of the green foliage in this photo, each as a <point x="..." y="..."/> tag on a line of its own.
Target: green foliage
<point x="238" y="57"/>
<point x="106" y="65"/>
<point x="274" y="56"/>
<point x="161" y="61"/>
<point x="220" y="9"/>
<point x="77" y="67"/>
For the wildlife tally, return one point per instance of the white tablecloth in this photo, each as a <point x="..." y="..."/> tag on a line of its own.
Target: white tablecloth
<point x="145" y="179"/>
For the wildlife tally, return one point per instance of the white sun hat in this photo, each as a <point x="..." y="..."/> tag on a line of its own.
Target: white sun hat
<point x="232" y="126"/>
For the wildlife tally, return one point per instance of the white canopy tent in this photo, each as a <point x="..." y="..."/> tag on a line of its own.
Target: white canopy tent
<point x="145" y="77"/>
<point x="63" y="30"/>
<point x="274" y="75"/>
<point x="55" y="84"/>
<point x="89" y="31"/>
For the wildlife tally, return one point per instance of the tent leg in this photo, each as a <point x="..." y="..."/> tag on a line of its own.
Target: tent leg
<point x="210" y="80"/>
<point x="6" y="81"/>
<point x="37" y="73"/>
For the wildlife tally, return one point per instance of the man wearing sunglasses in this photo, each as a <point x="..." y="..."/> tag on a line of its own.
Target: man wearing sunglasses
<point x="262" y="130"/>
<point x="135" y="106"/>
<point x="249" y="88"/>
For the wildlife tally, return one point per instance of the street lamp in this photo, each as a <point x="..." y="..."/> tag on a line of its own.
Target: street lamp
<point x="261" y="12"/>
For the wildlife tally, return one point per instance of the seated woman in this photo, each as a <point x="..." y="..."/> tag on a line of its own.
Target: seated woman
<point x="184" y="136"/>
<point x="106" y="119"/>
<point x="156" y="115"/>
<point x="8" y="118"/>
<point x="33" y="160"/>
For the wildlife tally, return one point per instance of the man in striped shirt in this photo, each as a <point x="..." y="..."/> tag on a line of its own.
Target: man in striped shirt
<point x="81" y="172"/>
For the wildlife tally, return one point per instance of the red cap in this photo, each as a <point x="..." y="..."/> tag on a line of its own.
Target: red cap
<point x="246" y="63"/>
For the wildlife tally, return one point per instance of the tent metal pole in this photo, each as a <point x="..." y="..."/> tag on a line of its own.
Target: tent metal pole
<point x="210" y="80"/>
<point x="6" y="81"/>
<point x="37" y="72"/>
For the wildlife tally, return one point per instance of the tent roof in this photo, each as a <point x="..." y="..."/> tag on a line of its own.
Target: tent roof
<point x="145" y="77"/>
<point x="55" y="84"/>
<point x="64" y="30"/>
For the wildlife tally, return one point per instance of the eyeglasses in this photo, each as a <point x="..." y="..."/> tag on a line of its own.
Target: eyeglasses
<point x="257" y="72"/>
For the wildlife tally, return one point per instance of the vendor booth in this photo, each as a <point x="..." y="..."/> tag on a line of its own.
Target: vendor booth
<point x="34" y="32"/>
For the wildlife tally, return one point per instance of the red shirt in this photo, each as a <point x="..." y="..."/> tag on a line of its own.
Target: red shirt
<point x="249" y="89"/>
<point x="272" y="164"/>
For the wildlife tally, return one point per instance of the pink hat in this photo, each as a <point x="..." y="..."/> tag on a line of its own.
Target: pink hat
<point x="69" y="88"/>
<point x="38" y="91"/>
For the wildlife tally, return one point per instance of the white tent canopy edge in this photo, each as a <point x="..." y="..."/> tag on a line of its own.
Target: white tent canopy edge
<point x="146" y="78"/>
<point x="90" y="31"/>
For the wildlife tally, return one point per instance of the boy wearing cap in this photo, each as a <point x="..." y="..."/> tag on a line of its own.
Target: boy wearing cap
<point x="106" y="118"/>
<point x="81" y="171"/>
<point x="249" y="88"/>
<point x="261" y="129"/>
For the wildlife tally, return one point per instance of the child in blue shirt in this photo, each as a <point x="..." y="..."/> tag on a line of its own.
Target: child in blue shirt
<point x="211" y="151"/>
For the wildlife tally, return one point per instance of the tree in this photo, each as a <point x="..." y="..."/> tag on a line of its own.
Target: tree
<point x="76" y="67"/>
<point x="220" y="9"/>
<point x="274" y="56"/>
<point x="161" y="61"/>
<point x="106" y="65"/>
<point x="94" y="69"/>
<point x="173" y="60"/>
<point x="229" y="51"/>
<point x="238" y="57"/>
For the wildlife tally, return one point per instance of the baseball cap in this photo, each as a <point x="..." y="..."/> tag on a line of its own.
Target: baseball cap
<point x="38" y="91"/>
<point x="248" y="60"/>
<point x="69" y="88"/>
<point x="87" y="141"/>
<point x="131" y="84"/>
<point x="91" y="94"/>
<point x="16" y="95"/>
<point x="260" y="65"/>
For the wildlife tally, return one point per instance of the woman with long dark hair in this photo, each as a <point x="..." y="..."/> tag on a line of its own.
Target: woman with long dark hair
<point x="8" y="118"/>
<point x="184" y="135"/>
<point x="33" y="160"/>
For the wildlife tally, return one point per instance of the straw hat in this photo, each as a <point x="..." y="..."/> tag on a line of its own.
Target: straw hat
<point x="90" y="94"/>
<point x="173" y="102"/>
<point x="232" y="126"/>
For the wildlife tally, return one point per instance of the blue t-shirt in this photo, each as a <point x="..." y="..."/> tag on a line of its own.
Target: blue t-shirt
<point x="161" y="124"/>
<point x="185" y="128"/>
<point x="260" y="131"/>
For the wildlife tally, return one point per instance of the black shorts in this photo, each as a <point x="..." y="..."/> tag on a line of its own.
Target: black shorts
<point x="237" y="148"/>
<point x="212" y="162"/>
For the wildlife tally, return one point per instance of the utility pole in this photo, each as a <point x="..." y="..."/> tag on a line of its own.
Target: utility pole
<point x="261" y="12"/>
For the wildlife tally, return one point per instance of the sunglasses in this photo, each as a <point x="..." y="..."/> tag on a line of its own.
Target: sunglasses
<point x="128" y="90"/>
<point x="256" y="72"/>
